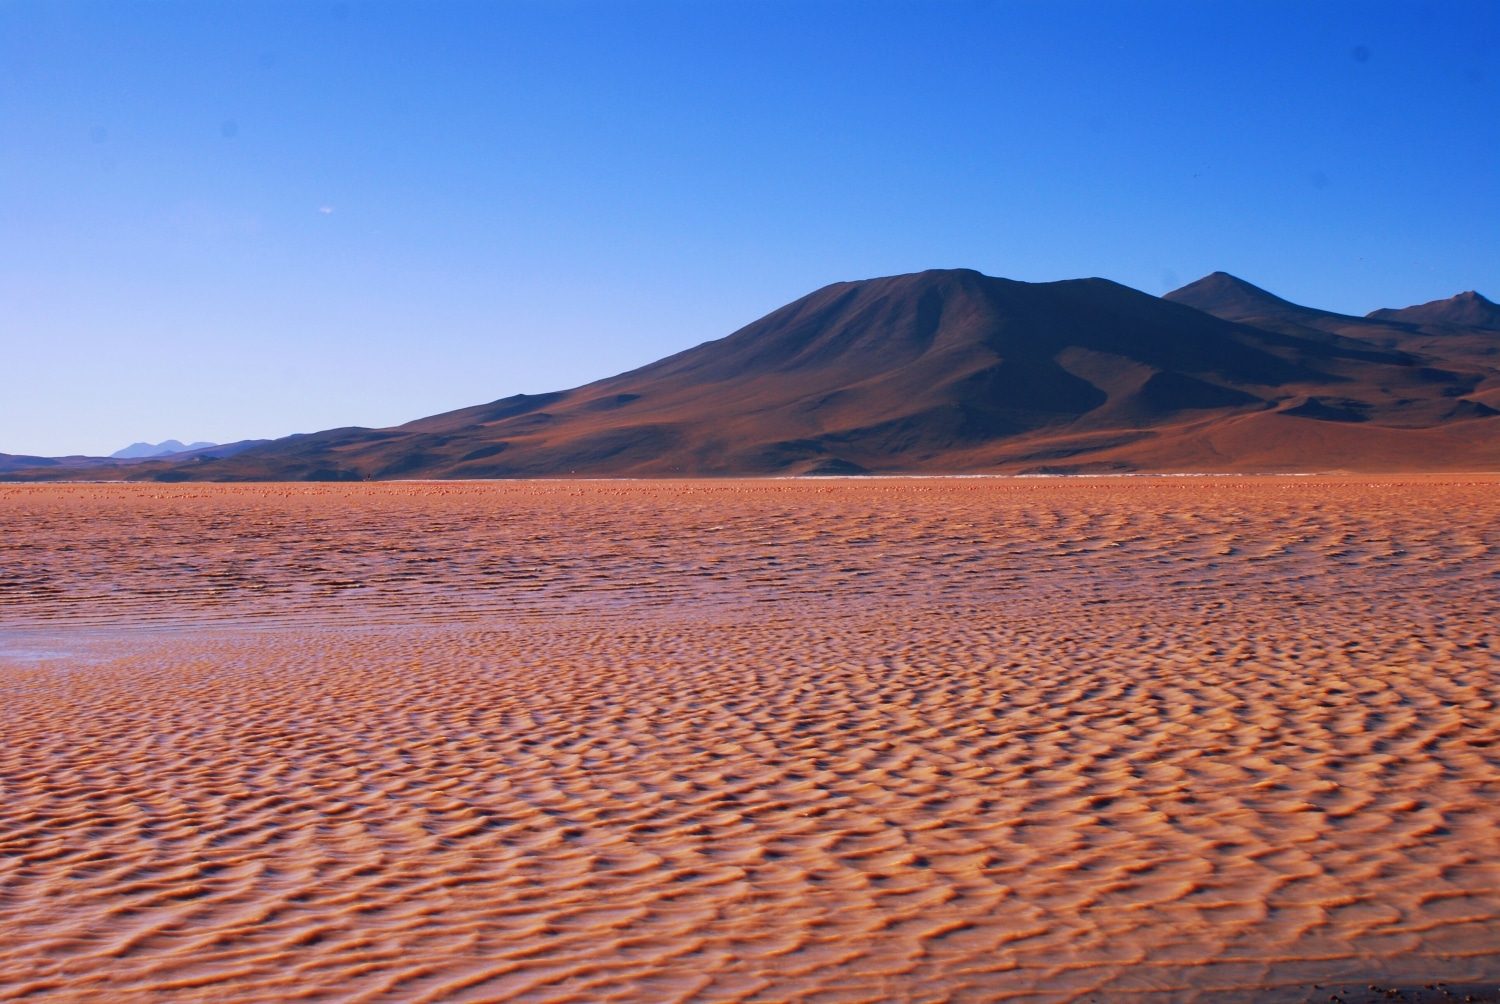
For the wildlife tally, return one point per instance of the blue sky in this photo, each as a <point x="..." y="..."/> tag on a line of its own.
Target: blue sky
<point x="234" y="220"/>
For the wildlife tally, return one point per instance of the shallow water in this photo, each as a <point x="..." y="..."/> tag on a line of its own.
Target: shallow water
<point x="950" y="740"/>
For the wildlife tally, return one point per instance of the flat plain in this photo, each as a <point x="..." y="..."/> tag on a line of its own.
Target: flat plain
<point x="1158" y="739"/>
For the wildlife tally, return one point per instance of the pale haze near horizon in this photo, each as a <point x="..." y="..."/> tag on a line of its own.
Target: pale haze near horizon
<point x="242" y="220"/>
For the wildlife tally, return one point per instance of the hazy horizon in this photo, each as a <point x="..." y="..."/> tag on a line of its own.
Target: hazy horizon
<point x="245" y="221"/>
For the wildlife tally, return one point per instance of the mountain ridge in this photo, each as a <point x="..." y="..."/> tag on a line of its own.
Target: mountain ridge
<point x="19" y="466"/>
<point x="953" y="371"/>
<point x="164" y="448"/>
<point x="1469" y="308"/>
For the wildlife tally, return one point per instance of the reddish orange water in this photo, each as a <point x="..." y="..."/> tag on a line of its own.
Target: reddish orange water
<point x="868" y="740"/>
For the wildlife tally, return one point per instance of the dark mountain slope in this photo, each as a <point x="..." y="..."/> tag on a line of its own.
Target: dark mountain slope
<point x="1459" y="328"/>
<point x="942" y="371"/>
<point x="1457" y="359"/>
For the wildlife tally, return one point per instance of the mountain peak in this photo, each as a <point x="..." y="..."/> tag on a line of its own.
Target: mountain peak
<point x="1469" y="308"/>
<point x="1230" y="297"/>
<point x="1221" y="277"/>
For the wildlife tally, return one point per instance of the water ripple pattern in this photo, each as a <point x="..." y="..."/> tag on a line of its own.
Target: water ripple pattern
<point x="942" y="740"/>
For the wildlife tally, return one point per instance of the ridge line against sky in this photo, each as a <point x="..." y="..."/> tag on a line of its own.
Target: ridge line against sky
<point x="230" y="221"/>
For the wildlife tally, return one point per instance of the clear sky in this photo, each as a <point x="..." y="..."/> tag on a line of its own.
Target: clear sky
<point x="233" y="220"/>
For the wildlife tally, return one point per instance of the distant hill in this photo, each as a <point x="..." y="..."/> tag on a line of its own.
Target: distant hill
<point x="1467" y="308"/>
<point x="162" y="449"/>
<point x="11" y="463"/>
<point x="29" y="468"/>
<point x="1432" y="331"/>
<point x="951" y="371"/>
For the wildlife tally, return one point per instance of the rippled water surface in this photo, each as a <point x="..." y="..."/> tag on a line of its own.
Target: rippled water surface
<point x="978" y="739"/>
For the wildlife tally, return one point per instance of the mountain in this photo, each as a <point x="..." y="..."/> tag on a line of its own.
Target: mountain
<point x="1457" y="331"/>
<point x="162" y="449"/>
<point x="1234" y="299"/>
<point x="19" y="467"/>
<point x="952" y="371"/>
<point x="10" y="463"/>
<point x="1467" y="308"/>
